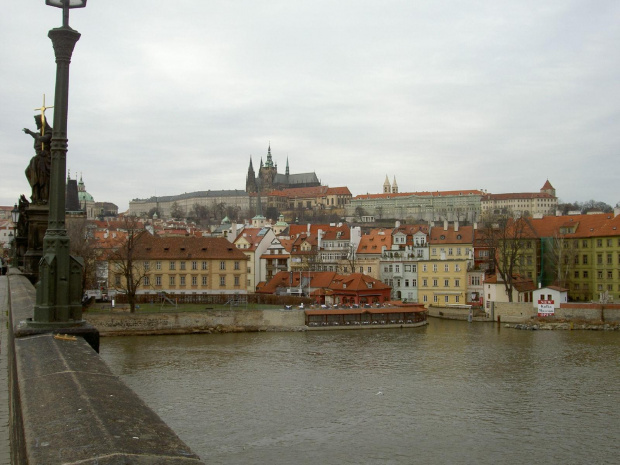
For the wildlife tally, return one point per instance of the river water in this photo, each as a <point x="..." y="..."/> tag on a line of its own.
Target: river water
<point x="451" y="392"/>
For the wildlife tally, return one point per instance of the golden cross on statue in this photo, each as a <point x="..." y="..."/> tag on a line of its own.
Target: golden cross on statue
<point x="42" y="110"/>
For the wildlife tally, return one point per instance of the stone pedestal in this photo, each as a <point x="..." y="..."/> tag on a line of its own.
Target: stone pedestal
<point x="38" y="217"/>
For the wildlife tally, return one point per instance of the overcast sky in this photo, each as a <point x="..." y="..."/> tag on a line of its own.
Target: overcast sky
<point x="169" y="97"/>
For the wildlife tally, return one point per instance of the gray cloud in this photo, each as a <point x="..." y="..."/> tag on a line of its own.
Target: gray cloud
<point x="172" y="97"/>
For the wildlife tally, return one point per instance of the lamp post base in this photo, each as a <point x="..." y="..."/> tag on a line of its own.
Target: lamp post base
<point x="81" y="328"/>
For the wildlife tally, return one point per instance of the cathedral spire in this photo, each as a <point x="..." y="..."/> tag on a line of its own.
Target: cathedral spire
<point x="287" y="171"/>
<point x="269" y="163"/>
<point x="250" y="180"/>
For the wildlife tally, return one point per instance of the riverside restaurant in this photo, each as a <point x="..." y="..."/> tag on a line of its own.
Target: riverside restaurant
<point x="412" y="315"/>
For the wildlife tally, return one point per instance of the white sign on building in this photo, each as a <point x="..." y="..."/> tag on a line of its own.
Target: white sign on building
<point x="546" y="308"/>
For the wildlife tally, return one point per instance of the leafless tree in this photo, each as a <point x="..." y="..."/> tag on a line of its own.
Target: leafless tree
<point x="82" y="244"/>
<point x="127" y="267"/>
<point x="560" y="259"/>
<point x="506" y="236"/>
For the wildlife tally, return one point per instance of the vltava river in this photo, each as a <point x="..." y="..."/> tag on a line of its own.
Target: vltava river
<point x="451" y="392"/>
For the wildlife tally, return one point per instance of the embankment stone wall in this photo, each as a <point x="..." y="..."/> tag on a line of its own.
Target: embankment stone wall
<point x="609" y="313"/>
<point x="229" y="320"/>
<point x="514" y="312"/>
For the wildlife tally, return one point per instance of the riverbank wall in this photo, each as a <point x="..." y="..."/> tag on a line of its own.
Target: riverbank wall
<point x="65" y="404"/>
<point x="207" y="321"/>
<point x="524" y="312"/>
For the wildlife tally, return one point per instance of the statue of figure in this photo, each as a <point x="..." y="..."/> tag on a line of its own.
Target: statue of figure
<point x="38" y="170"/>
<point x="22" y="223"/>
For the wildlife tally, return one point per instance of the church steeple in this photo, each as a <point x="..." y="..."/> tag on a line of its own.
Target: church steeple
<point x="394" y="186"/>
<point x="386" y="186"/>
<point x="287" y="171"/>
<point x="269" y="163"/>
<point x="250" y="181"/>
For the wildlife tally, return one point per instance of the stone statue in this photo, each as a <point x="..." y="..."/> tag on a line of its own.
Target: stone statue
<point x="38" y="170"/>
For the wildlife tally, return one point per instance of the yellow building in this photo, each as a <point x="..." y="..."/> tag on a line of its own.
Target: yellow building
<point x="442" y="279"/>
<point x="182" y="266"/>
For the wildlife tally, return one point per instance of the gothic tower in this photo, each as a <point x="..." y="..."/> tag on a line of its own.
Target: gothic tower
<point x="250" y="180"/>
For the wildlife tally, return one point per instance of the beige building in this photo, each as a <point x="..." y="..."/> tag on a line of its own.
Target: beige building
<point x="184" y="266"/>
<point x="534" y="204"/>
<point x="186" y="202"/>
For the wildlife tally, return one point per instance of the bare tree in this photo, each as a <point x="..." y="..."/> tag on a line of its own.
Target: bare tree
<point x="506" y="238"/>
<point x="127" y="268"/>
<point x="560" y="259"/>
<point x="176" y="211"/>
<point x="82" y="244"/>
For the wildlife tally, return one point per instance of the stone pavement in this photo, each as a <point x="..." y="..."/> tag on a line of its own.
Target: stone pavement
<point x="5" y="458"/>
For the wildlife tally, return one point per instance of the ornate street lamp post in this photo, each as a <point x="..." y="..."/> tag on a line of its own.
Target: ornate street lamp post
<point x="14" y="219"/>
<point x="59" y="290"/>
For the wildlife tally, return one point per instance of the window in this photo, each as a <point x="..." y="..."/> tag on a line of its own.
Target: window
<point x="204" y="280"/>
<point x="237" y="266"/>
<point x="414" y="268"/>
<point x="585" y="274"/>
<point x="407" y="268"/>
<point x="158" y="265"/>
<point x="194" y="280"/>
<point x="406" y="283"/>
<point x="435" y="283"/>
<point x="146" y="266"/>
<point x="425" y="298"/>
<point x="435" y="267"/>
<point x="609" y="259"/>
<point x="449" y="250"/>
<point x="475" y="280"/>
<point x="584" y="244"/>
<point x="446" y="283"/>
<point x="457" y="267"/>
<point x="158" y="280"/>
<point x="457" y="298"/>
<point x="599" y="259"/>
<point x="147" y="281"/>
<point x="584" y="260"/>
<point x="397" y="268"/>
<point x="236" y="280"/>
<point x="414" y="283"/>
<point x="435" y="299"/>
<point x="446" y="299"/>
<point x="434" y="251"/>
<point x="117" y="280"/>
<point x="610" y="275"/>
<point x="172" y="265"/>
<point x="446" y="267"/>
<point x="204" y="265"/>
<point x="182" y="265"/>
<point x="599" y="242"/>
<point x="424" y="268"/>
<point x="458" y="251"/>
<point x="182" y="280"/>
<point x="194" y="265"/>
<point x="369" y="269"/>
<point x="576" y="274"/>
<point x="424" y="282"/>
<point x="222" y="265"/>
<point x="222" y="280"/>
<point x="600" y="275"/>
<point x="172" y="281"/>
<point x="457" y="283"/>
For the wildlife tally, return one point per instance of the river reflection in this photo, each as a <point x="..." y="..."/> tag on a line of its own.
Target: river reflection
<point x="451" y="392"/>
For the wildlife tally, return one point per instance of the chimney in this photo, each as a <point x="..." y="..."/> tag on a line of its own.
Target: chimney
<point x="308" y="230"/>
<point x="319" y="237"/>
<point x="456" y="226"/>
<point x="445" y="225"/>
<point x="397" y="224"/>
